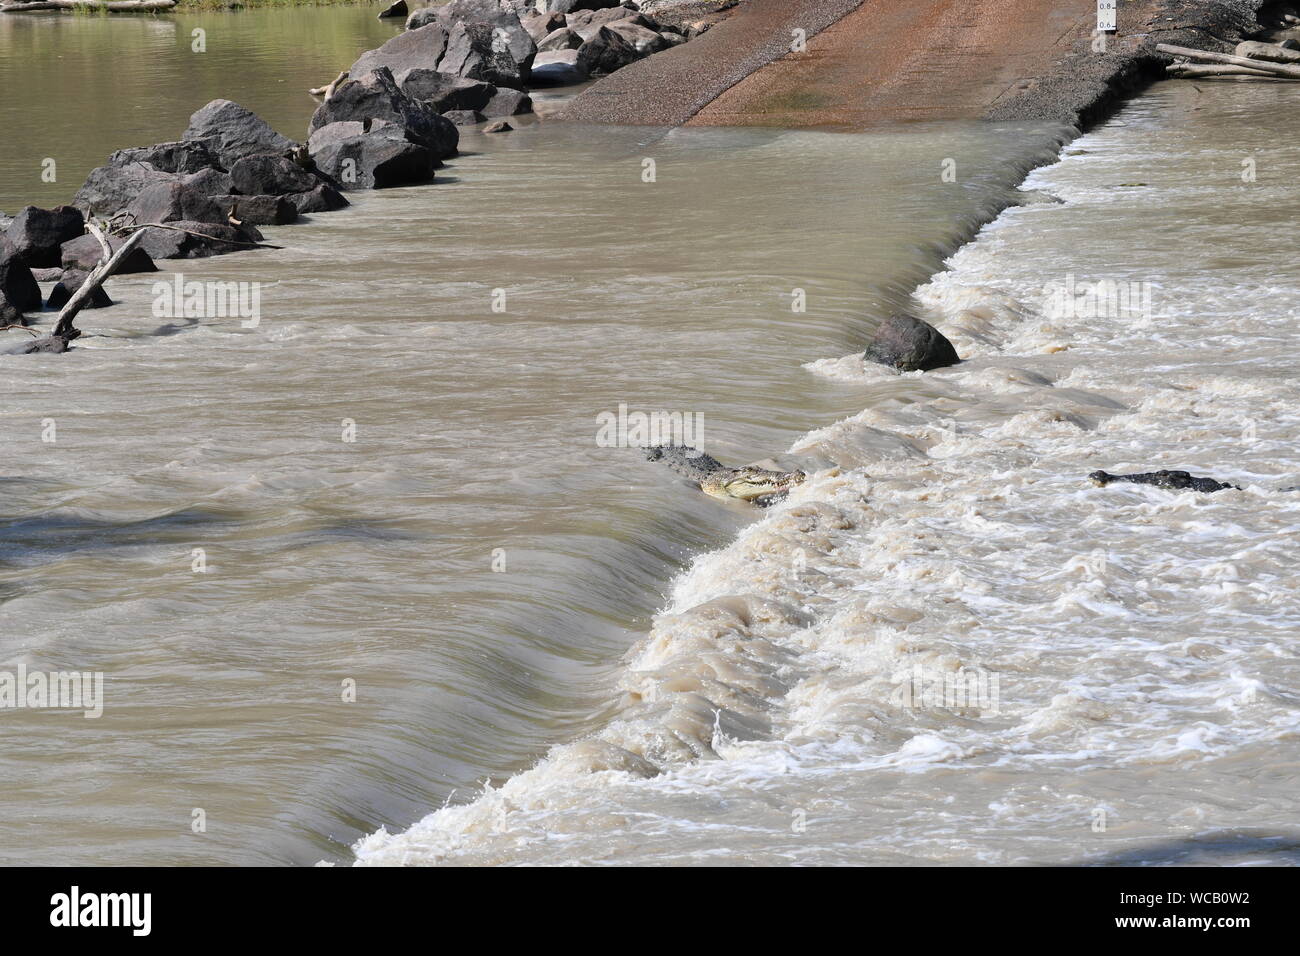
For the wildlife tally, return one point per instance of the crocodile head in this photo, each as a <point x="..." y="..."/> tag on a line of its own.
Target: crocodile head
<point x="750" y="483"/>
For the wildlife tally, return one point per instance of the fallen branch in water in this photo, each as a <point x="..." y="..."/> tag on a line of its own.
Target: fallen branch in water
<point x="112" y="6"/>
<point x="328" y="90"/>
<point x="139" y="230"/>
<point x="1287" y="71"/>
<point x="1197" y="70"/>
<point x="107" y="266"/>
<point x="64" y="332"/>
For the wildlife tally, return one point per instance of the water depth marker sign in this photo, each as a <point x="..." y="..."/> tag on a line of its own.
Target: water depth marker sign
<point x="1106" y="15"/>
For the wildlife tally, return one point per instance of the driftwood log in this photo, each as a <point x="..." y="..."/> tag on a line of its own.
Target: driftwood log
<point x="1195" y="70"/>
<point x="328" y="91"/>
<point x="112" y="6"/>
<point x="64" y="331"/>
<point x="1287" y="70"/>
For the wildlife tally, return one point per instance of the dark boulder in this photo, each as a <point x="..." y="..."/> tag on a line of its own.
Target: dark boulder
<point x="324" y="198"/>
<point x="605" y="52"/>
<point x="200" y="240"/>
<point x="85" y="252"/>
<point x="74" y="279"/>
<point x="171" y="201"/>
<point x="235" y="132"/>
<point x="910" y="345"/>
<point x="562" y="39"/>
<point x="183" y="157"/>
<point x="610" y="14"/>
<point x="51" y="344"/>
<point x="18" y="286"/>
<point x="110" y="189"/>
<point x="267" y="175"/>
<point x="376" y="96"/>
<point x="476" y="50"/>
<point x="394" y="10"/>
<point x="447" y="91"/>
<point x="645" y="41"/>
<point x="36" y="234"/>
<point x="209" y="182"/>
<point x="375" y="159"/>
<point x="502" y="22"/>
<point x="507" y="102"/>
<point x="345" y="129"/>
<point x="258" y="210"/>
<point x="413" y="50"/>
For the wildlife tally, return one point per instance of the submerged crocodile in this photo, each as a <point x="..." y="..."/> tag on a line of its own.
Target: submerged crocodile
<point x="762" y="486"/>
<point x="1173" y="480"/>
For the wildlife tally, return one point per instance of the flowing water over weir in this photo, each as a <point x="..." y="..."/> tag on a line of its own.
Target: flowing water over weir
<point x="955" y="649"/>
<point x="329" y="560"/>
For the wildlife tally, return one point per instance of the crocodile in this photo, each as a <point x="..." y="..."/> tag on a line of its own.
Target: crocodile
<point x="1173" y="480"/>
<point x="762" y="486"/>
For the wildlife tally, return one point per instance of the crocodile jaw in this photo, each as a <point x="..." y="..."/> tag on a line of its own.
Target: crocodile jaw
<point x="753" y="484"/>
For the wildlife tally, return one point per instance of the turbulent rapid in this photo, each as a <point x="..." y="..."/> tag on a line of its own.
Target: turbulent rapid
<point x="947" y="645"/>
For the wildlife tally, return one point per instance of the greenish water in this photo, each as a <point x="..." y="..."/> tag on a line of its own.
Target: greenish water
<point x="75" y="88"/>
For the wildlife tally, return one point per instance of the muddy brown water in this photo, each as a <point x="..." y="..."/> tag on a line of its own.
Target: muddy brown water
<point x="354" y="467"/>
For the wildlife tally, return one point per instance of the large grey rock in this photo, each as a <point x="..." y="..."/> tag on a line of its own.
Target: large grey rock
<point x="485" y="41"/>
<point x="606" y="51"/>
<point x="645" y="41"/>
<point x="910" y="345"/>
<point x="508" y="102"/>
<point x="270" y="176"/>
<point x="202" y="240"/>
<point x="167" y="202"/>
<point x="110" y="189"/>
<point x="500" y="16"/>
<point x="376" y="96"/>
<point x="36" y="234"/>
<point x="562" y="39"/>
<point x="324" y="198"/>
<point x="447" y="91"/>
<point x="235" y="132"/>
<point x="258" y="210"/>
<point x="84" y="253"/>
<point x="184" y="156"/>
<point x="18" y="288"/>
<point x="372" y="159"/>
<point x="209" y="182"/>
<point x="419" y="49"/>
<point x="582" y="18"/>
<point x="475" y="50"/>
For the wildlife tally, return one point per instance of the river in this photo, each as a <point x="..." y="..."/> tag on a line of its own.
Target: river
<point x="370" y="557"/>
